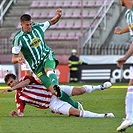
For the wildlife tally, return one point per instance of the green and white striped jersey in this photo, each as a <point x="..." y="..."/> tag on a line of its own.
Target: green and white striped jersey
<point x="129" y="19"/>
<point x="32" y="44"/>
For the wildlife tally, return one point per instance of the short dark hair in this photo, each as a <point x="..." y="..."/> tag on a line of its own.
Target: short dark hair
<point x="8" y="76"/>
<point x="25" y="17"/>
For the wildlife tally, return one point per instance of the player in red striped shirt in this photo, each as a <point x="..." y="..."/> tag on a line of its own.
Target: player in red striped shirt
<point x="29" y="91"/>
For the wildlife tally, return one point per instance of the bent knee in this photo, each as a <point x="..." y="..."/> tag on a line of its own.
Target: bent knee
<point x="74" y="112"/>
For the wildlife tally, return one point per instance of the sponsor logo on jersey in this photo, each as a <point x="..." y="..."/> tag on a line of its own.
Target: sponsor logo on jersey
<point x="35" y="42"/>
<point x="39" y="74"/>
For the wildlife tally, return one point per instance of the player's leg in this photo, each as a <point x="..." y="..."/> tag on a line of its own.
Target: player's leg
<point x="39" y="72"/>
<point x="128" y="121"/>
<point x="128" y="105"/>
<point x="84" y="113"/>
<point x="131" y="76"/>
<point x="71" y="90"/>
<point x="49" y="67"/>
<point x="61" y="107"/>
<point x="66" y="98"/>
<point x="66" y="92"/>
<point x="90" y="88"/>
<point x="71" y="111"/>
<point x="129" y="98"/>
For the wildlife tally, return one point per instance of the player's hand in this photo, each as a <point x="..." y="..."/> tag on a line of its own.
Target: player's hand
<point x="117" y="30"/>
<point x="7" y="90"/>
<point x="120" y="62"/>
<point x="13" y="113"/>
<point x="20" y="60"/>
<point x="59" y="12"/>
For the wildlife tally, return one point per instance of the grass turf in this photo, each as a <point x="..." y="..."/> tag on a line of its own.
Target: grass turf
<point x="42" y="121"/>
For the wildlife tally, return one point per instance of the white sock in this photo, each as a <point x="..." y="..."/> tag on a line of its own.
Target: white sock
<point x="90" y="88"/>
<point x="90" y="114"/>
<point x="129" y="103"/>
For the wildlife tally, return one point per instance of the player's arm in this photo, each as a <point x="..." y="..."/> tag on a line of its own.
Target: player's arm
<point x="21" y="84"/>
<point x="27" y="80"/>
<point x="18" y="86"/>
<point x="17" y="59"/>
<point x="16" y="51"/>
<point x="20" y="104"/>
<point x="14" y="113"/>
<point x="122" y="60"/>
<point x="118" y="30"/>
<point x="20" y="108"/>
<point x="56" y="18"/>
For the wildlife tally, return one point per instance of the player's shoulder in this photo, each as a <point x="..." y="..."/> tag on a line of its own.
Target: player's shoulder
<point x="36" y="24"/>
<point x="18" y="34"/>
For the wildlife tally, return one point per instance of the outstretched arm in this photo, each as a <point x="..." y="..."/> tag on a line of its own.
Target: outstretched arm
<point x="18" y="86"/>
<point x="56" y="18"/>
<point x="118" y="30"/>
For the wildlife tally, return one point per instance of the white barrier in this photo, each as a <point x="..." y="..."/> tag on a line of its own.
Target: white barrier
<point x="4" y="69"/>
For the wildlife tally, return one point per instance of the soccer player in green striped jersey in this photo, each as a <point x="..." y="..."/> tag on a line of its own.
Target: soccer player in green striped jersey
<point x="30" y="41"/>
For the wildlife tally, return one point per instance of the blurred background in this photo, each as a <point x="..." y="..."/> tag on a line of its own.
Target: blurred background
<point x="86" y="26"/>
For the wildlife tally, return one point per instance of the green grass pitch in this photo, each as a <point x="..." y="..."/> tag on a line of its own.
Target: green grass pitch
<point x="43" y="121"/>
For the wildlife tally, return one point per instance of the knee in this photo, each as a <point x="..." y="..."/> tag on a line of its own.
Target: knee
<point x="74" y="112"/>
<point x="49" y="71"/>
<point x="82" y="90"/>
<point x="78" y="91"/>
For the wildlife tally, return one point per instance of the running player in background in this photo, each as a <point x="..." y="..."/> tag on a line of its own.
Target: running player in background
<point x="29" y="91"/>
<point x="128" y="121"/>
<point x="30" y="41"/>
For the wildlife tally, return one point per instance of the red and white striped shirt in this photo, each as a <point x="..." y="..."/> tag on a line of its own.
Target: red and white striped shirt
<point x="34" y="94"/>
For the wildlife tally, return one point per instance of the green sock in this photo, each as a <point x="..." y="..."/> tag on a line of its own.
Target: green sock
<point x="53" y="78"/>
<point x="66" y="98"/>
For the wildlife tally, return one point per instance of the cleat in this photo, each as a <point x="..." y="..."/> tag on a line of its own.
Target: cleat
<point x="124" y="125"/>
<point x="80" y="107"/>
<point x="57" y="90"/>
<point x="109" y="115"/>
<point x="106" y="85"/>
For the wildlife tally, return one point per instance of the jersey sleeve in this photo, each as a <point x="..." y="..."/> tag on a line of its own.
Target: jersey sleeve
<point x="44" y="26"/>
<point x="16" y="45"/>
<point x="16" y="49"/>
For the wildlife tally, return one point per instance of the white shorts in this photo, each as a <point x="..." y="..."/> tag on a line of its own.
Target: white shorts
<point x="58" y="106"/>
<point x="67" y="89"/>
<point x="131" y="72"/>
<point x="25" y="66"/>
